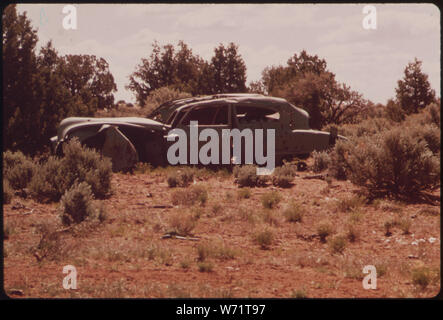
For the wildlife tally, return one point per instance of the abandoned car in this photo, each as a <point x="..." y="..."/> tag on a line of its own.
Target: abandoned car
<point x="128" y="140"/>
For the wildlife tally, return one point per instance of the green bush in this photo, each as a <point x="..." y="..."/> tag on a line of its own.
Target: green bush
<point x="76" y="204"/>
<point x="338" y="166"/>
<point x="18" y="169"/>
<point x="246" y="176"/>
<point x="78" y="164"/>
<point x="321" y="161"/>
<point x="394" y="162"/>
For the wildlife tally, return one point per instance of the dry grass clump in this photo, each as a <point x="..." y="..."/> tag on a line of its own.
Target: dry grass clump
<point x="190" y="196"/>
<point x="246" y="176"/>
<point x="181" y="178"/>
<point x="244" y="193"/>
<point x="294" y="212"/>
<point x="321" y="161"/>
<point x="18" y="169"/>
<point x="182" y="224"/>
<point x="264" y="238"/>
<point x="338" y="244"/>
<point x="57" y="175"/>
<point x="283" y="176"/>
<point x="324" y="229"/>
<point x="271" y="199"/>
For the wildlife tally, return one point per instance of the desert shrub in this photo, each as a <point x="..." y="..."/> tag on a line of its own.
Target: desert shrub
<point x="293" y="212"/>
<point x="405" y="225"/>
<point x="352" y="232"/>
<point x="205" y="266"/>
<point x="350" y="203"/>
<point x="244" y="193"/>
<point x="388" y="225"/>
<point x="264" y="238"/>
<point x="18" y="169"/>
<point x="394" y="162"/>
<point x="84" y="164"/>
<point x="432" y="114"/>
<point x="204" y="251"/>
<point x="324" y="229"/>
<point x="76" y="204"/>
<point x="246" y="176"/>
<point x="338" y="244"/>
<point x="394" y="111"/>
<point x="181" y="178"/>
<point x="182" y="224"/>
<point x="321" y="161"/>
<point x="271" y="199"/>
<point x="187" y="197"/>
<point x="270" y="217"/>
<point x="57" y="175"/>
<point x="216" y="209"/>
<point x="48" y="182"/>
<point x="338" y="166"/>
<point x="428" y="116"/>
<point x="421" y="277"/>
<point x="283" y="176"/>
<point x="8" y="192"/>
<point x="51" y="245"/>
<point x="430" y="134"/>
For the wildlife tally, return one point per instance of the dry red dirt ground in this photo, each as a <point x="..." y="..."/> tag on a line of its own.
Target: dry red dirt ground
<point x="125" y="255"/>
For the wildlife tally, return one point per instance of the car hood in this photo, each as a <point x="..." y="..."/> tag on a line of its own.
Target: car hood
<point x="76" y="122"/>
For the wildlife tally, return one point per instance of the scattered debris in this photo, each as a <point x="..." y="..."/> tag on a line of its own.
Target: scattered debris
<point x="161" y="206"/>
<point x="16" y="292"/>
<point x="432" y="239"/>
<point x="175" y="236"/>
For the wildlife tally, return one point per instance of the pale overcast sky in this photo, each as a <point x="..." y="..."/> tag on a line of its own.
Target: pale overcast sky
<point x="370" y="61"/>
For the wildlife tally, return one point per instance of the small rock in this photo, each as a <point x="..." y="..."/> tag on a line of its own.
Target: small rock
<point x="411" y="256"/>
<point x="149" y="195"/>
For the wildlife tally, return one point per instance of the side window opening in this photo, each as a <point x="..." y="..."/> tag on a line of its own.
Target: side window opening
<point x="221" y="118"/>
<point x="207" y="116"/>
<point x="204" y="116"/>
<point x="257" y="114"/>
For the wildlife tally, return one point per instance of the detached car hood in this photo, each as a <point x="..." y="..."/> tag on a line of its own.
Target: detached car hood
<point x="69" y="124"/>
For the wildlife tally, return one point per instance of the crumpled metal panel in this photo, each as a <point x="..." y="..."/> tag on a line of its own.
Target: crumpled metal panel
<point x="122" y="152"/>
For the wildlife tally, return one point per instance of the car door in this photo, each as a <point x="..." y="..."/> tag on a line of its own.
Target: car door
<point x="249" y="116"/>
<point x="214" y="116"/>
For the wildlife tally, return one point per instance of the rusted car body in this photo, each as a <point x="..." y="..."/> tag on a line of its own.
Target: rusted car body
<point x="128" y="140"/>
